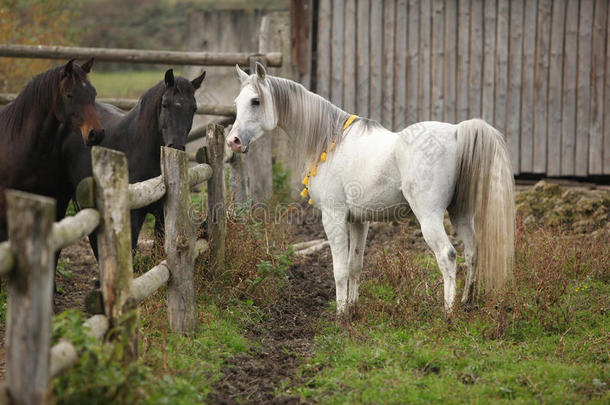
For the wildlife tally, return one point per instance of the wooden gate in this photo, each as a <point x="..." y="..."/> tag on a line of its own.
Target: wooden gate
<point x="538" y="70"/>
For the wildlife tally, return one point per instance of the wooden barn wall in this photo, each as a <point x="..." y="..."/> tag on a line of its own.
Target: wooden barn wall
<point x="538" y="70"/>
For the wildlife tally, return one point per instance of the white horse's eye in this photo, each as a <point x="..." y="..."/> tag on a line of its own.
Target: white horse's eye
<point x="256" y="101"/>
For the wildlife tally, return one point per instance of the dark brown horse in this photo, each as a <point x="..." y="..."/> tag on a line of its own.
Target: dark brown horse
<point x="29" y="138"/>
<point x="162" y="117"/>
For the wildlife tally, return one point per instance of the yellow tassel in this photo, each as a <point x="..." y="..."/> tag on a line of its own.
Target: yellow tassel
<point x="310" y="201"/>
<point x="304" y="193"/>
<point x="323" y="157"/>
<point x="332" y="146"/>
<point x="314" y="170"/>
<point x="306" y="181"/>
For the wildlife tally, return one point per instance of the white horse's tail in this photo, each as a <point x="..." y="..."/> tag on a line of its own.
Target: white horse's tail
<point x="485" y="191"/>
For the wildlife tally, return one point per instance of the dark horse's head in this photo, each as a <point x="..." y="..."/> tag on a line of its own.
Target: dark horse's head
<point x="177" y="107"/>
<point x="74" y="102"/>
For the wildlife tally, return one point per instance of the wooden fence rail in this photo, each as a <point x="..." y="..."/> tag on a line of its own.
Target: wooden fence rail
<point x="129" y="103"/>
<point x="136" y="55"/>
<point x="27" y="259"/>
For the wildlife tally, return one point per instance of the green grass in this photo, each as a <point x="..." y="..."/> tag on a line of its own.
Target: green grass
<point x="131" y="84"/>
<point x="545" y="341"/>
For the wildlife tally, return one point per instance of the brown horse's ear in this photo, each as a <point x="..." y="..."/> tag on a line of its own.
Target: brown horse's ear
<point x="87" y="65"/>
<point x="68" y="69"/>
<point x="169" y="78"/>
<point x="196" y="82"/>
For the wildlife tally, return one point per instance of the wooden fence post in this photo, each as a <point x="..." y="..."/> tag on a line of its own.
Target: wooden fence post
<point x="179" y="242"/>
<point x="217" y="200"/>
<point x="30" y="296"/>
<point x="114" y="246"/>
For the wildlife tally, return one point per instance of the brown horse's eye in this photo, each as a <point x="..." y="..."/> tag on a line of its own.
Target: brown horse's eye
<point x="69" y="95"/>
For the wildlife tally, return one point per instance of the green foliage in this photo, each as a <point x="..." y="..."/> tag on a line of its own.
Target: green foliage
<point x="124" y="83"/>
<point x="281" y="188"/>
<point x="34" y="22"/>
<point x="62" y="268"/>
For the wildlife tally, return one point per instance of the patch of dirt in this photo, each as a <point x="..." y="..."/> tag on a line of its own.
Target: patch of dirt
<point x="284" y="338"/>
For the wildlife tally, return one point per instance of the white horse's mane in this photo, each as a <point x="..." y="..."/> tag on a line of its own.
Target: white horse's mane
<point x="311" y="121"/>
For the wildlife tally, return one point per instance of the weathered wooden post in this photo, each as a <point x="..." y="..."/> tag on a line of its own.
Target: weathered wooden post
<point x="217" y="200"/>
<point x="30" y="296"/>
<point x="114" y="246"/>
<point x="179" y="242"/>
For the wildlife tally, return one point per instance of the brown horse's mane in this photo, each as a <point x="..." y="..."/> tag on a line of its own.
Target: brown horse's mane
<point x="36" y="99"/>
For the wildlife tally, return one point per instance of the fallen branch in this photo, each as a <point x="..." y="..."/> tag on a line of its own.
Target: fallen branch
<point x="313" y="249"/>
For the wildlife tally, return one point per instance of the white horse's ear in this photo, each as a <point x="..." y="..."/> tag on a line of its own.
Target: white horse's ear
<point x="260" y="71"/>
<point x="241" y="74"/>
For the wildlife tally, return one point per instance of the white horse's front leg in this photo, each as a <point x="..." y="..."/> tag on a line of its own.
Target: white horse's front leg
<point x="336" y="232"/>
<point x="357" y="242"/>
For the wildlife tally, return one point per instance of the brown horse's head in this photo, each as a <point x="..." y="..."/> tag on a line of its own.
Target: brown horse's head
<point x="75" y="103"/>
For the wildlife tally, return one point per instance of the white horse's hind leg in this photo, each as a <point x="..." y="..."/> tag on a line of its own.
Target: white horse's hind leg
<point x="357" y="241"/>
<point x="465" y="229"/>
<point x="336" y="231"/>
<point x="434" y="233"/>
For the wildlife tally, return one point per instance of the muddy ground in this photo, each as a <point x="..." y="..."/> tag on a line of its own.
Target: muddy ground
<point x="286" y="336"/>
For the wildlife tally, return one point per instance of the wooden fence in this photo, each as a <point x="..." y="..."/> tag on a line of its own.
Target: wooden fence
<point x="538" y="70"/>
<point x="27" y="259"/>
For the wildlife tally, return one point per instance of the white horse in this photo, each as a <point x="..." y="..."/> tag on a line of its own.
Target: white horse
<point x="359" y="171"/>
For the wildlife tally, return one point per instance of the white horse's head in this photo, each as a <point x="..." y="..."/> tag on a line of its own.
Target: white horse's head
<point x="256" y="112"/>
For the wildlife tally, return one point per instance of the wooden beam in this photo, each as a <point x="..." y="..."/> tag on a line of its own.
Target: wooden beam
<point x="179" y="242"/>
<point x="64" y="355"/>
<point x="216" y="211"/>
<point x="71" y="229"/>
<point x="149" y="282"/>
<point x="129" y="103"/>
<point x="114" y="245"/>
<point x="30" y="296"/>
<point x="146" y="192"/>
<point x="135" y="55"/>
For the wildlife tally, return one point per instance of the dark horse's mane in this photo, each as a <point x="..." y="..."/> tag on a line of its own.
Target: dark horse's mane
<point x="35" y="97"/>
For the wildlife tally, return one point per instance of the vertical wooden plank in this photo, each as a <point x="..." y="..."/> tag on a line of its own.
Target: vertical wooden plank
<point x="216" y="210"/>
<point x="527" y="85"/>
<point x="376" y="67"/>
<point x="349" y="57"/>
<point x="489" y="61"/>
<point x="606" y="141"/>
<point x="437" y="60"/>
<point x="114" y="245"/>
<point x="362" y="51"/>
<point x="541" y="77"/>
<point x="502" y="45"/>
<point x="570" y="68"/>
<point x="301" y="40"/>
<point x="323" y="49"/>
<point x="336" y="40"/>
<point x="30" y="296"/>
<point x="583" y="91"/>
<point x="475" y="76"/>
<point x="555" y="117"/>
<point x="597" y="88"/>
<point x="463" y="60"/>
<point x="413" y="62"/>
<point x="389" y="21"/>
<point x="179" y="242"/>
<point x="450" y="62"/>
<point x="425" y="49"/>
<point x="400" y="71"/>
<point x="513" y="111"/>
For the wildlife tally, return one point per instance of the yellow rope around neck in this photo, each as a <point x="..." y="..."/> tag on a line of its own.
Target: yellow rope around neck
<point x="313" y="170"/>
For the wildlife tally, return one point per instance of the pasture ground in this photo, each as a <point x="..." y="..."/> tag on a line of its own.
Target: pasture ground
<point x="267" y="331"/>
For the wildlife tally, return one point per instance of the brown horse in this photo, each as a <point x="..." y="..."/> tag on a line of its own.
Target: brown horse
<point x="29" y="139"/>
